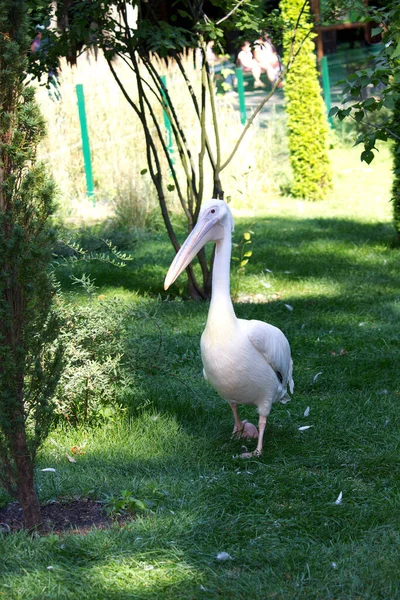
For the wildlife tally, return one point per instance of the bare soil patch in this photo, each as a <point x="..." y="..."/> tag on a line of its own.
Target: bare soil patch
<point x="78" y="516"/>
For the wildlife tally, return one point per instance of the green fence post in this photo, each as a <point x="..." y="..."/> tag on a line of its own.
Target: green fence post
<point x="242" y="101"/>
<point x="326" y="86"/>
<point x="167" y="122"/>
<point x="85" y="143"/>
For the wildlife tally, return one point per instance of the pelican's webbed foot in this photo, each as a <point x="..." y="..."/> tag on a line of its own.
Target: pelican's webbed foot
<point x="245" y="430"/>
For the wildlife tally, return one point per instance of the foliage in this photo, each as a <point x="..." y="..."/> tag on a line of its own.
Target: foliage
<point x="123" y="504"/>
<point x="103" y="250"/>
<point x="94" y="338"/>
<point x="241" y="255"/>
<point x="131" y="213"/>
<point x="30" y="357"/>
<point x="307" y="122"/>
<point x="386" y="77"/>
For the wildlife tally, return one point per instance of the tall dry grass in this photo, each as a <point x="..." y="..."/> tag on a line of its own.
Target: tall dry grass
<point x="118" y="148"/>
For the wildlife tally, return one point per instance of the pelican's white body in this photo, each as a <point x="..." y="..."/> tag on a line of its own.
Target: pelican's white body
<point x="247" y="362"/>
<point x="239" y="371"/>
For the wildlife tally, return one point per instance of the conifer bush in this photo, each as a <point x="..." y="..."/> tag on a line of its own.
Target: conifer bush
<point x="307" y="121"/>
<point x="30" y="357"/>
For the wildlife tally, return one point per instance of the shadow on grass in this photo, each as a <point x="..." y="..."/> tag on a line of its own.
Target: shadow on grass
<point x="335" y="250"/>
<point x="341" y="279"/>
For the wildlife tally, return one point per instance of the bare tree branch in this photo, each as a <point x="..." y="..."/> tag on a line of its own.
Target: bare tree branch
<point x="230" y="13"/>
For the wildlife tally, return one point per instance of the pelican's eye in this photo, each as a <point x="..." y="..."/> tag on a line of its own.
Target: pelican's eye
<point x="212" y="211"/>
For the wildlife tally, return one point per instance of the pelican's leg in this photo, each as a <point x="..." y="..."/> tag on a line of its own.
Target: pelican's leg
<point x="238" y="423"/>
<point x="262" y="421"/>
<point x="242" y="429"/>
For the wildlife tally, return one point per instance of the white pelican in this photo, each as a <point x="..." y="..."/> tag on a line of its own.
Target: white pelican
<point x="247" y="362"/>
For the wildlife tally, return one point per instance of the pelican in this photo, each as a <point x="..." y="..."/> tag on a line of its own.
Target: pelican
<point x="247" y="362"/>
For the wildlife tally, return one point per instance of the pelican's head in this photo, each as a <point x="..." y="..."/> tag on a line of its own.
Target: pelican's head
<point x="215" y="220"/>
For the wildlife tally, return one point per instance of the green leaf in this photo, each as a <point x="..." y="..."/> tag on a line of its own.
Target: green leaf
<point x="333" y="111"/>
<point x="246" y="235"/>
<point x="244" y="262"/>
<point x="247" y="254"/>
<point x="139" y="504"/>
<point x="389" y="102"/>
<point x="143" y="171"/>
<point x="376" y="31"/>
<point x="396" y="52"/>
<point x="359" y="115"/>
<point x="170" y="187"/>
<point x="369" y="104"/>
<point x="367" y="156"/>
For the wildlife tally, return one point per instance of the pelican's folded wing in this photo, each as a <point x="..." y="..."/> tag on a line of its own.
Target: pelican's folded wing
<point x="273" y="345"/>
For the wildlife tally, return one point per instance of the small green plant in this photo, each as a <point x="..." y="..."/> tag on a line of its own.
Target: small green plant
<point x="93" y="336"/>
<point x="240" y="256"/>
<point x="136" y="208"/>
<point x="123" y="504"/>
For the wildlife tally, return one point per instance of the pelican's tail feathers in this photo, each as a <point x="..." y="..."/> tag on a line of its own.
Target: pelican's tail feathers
<point x="285" y="399"/>
<point x="290" y="378"/>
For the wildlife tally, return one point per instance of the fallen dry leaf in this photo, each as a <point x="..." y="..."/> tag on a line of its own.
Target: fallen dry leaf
<point x="70" y="458"/>
<point x="77" y="450"/>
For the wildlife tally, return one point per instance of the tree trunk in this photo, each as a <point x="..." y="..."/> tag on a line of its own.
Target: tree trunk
<point x="25" y="483"/>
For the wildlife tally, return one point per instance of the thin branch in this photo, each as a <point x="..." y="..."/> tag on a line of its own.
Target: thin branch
<point x="142" y="95"/>
<point x="230" y="13"/>
<point x="149" y="147"/>
<point x="250" y="121"/>
<point x="179" y="133"/>
<point x="196" y="107"/>
<point x="203" y="132"/>
<point x="217" y="191"/>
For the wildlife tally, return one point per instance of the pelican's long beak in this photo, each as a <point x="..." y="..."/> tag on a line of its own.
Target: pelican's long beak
<point x="191" y="246"/>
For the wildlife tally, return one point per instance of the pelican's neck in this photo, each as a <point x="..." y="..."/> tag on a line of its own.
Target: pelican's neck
<point x="221" y="308"/>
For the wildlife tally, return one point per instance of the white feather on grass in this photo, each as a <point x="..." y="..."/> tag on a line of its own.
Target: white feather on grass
<point x="223" y="556"/>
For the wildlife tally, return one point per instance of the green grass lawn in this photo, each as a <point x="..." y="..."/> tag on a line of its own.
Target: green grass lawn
<point x="333" y="263"/>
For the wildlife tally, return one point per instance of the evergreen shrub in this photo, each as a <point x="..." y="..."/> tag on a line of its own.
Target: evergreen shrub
<point x="30" y="356"/>
<point x="307" y="122"/>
